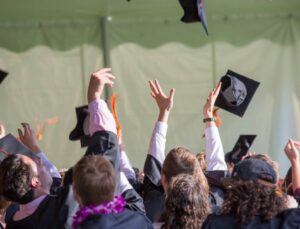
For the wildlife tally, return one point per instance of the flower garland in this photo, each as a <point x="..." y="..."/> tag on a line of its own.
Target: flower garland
<point x="115" y="206"/>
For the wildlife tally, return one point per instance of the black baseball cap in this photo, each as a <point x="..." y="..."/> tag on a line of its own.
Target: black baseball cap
<point x="254" y="169"/>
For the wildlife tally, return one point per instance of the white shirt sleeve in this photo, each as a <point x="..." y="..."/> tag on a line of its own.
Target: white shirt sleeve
<point x="158" y="141"/>
<point x="125" y="166"/>
<point x="214" y="153"/>
<point x="124" y="183"/>
<point x="49" y="166"/>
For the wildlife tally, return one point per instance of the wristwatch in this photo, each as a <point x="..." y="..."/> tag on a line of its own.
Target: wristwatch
<point x="212" y="119"/>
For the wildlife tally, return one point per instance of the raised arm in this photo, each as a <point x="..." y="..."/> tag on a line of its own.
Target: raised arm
<point x="153" y="191"/>
<point x="215" y="159"/>
<point x="28" y="138"/>
<point x="165" y="105"/>
<point x="292" y="153"/>
<point x="100" y="116"/>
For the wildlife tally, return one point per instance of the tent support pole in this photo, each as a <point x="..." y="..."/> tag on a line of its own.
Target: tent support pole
<point x="105" y="51"/>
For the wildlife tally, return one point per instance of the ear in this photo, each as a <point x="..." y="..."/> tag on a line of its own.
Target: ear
<point x="35" y="182"/>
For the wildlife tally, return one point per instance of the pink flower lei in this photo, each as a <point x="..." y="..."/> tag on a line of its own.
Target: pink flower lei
<point x="115" y="206"/>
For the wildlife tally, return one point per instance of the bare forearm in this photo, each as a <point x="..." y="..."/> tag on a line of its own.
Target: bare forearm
<point x="163" y="116"/>
<point x="94" y="94"/>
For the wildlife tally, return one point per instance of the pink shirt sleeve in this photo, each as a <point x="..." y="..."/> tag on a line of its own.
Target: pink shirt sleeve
<point x="100" y="117"/>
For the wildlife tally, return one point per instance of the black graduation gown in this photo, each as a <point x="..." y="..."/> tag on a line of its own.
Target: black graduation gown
<point x="289" y="219"/>
<point x="126" y="220"/>
<point x="154" y="198"/>
<point x="105" y="143"/>
<point x="51" y="213"/>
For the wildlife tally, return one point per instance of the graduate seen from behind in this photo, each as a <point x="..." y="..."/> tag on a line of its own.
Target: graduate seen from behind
<point x="94" y="184"/>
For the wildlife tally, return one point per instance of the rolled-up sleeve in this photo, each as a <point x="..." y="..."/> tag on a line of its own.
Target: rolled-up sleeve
<point x="100" y="117"/>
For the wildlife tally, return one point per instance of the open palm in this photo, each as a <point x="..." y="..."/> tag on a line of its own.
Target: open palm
<point x="164" y="103"/>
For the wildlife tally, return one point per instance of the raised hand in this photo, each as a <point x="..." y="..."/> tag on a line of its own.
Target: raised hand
<point x="210" y="102"/>
<point x="292" y="152"/>
<point x="97" y="82"/>
<point x="164" y="103"/>
<point x="28" y="138"/>
<point x="2" y="131"/>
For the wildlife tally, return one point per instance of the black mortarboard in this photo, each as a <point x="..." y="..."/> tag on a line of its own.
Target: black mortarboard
<point x="81" y="132"/>
<point x="3" y="74"/>
<point x="194" y="11"/>
<point x="10" y="145"/>
<point x="236" y="93"/>
<point x="240" y="149"/>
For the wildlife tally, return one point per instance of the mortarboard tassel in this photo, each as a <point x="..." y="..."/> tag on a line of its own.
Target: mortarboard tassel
<point x="113" y="105"/>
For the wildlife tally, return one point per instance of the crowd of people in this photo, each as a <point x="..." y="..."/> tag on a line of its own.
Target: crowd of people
<point x="176" y="190"/>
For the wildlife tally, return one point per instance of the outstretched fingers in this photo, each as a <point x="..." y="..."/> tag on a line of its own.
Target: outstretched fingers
<point x="171" y="94"/>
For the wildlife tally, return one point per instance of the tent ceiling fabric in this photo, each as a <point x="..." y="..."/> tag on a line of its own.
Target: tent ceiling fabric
<point x="39" y="18"/>
<point x="46" y="10"/>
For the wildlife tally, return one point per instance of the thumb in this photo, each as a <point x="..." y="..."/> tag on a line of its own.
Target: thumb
<point x="172" y="93"/>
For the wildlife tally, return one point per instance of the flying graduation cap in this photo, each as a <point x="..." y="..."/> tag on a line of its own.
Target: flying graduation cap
<point x="80" y="132"/>
<point x="240" y="149"/>
<point x="3" y="74"/>
<point x="10" y="145"/>
<point x="236" y="93"/>
<point x="193" y="12"/>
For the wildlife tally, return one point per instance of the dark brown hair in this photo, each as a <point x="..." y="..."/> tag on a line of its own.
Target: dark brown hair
<point x="181" y="160"/>
<point x="248" y="199"/>
<point x="15" y="179"/>
<point x="94" y="180"/>
<point x="187" y="204"/>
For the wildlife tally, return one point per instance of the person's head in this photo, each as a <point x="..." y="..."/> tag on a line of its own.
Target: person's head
<point x="181" y="160"/>
<point x="187" y="204"/>
<point x="93" y="180"/>
<point x="22" y="179"/>
<point x="252" y="191"/>
<point x="269" y="160"/>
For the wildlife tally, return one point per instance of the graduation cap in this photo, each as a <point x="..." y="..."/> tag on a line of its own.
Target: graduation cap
<point x="10" y="145"/>
<point x="81" y="130"/>
<point x="236" y="93"/>
<point x="240" y="149"/>
<point x="3" y="74"/>
<point x="193" y="12"/>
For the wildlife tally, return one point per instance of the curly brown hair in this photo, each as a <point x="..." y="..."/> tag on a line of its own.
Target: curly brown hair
<point x="248" y="199"/>
<point x="187" y="204"/>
